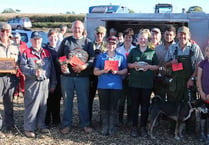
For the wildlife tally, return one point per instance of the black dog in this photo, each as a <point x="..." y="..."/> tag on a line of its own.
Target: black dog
<point x="179" y="112"/>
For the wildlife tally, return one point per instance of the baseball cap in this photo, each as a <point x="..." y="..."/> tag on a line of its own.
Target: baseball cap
<point x="156" y="30"/>
<point x="35" y="34"/>
<point x="101" y="29"/>
<point x="183" y="29"/>
<point x="112" y="39"/>
<point x="17" y="35"/>
<point x="6" y="27"/>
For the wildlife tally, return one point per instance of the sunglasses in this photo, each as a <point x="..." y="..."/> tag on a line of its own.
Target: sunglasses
<point x="5" y="30"/>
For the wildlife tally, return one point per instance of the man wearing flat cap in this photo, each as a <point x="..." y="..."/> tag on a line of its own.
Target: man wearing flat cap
<point x="183" y="57"/>
<point x="99" y="46"/>
<point x="40" y="78"/>
<point x="8" y="81"/>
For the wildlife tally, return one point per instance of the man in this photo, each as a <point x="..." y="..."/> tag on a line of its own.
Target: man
<point x="155" y="38"/>
<point x="22" y="47"/>
<point x="161" y="51"/>
<point x="120" y="39"/>
<point x="99" y="47"/>
<point x="183" y="57"/>
<point x="40" y="79"/>
<point x="124" y="50"/>
<point x="63" y="30"/>
<point x="8" y="81"/>
<point x="78" y="78"/>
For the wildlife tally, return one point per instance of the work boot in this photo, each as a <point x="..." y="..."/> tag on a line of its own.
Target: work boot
<point x="105" y="122"/>
<point x="203" y="136"/>
<point x="112" y="122"/>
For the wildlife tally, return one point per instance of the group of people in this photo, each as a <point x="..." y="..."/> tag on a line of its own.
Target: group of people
<point x="120" y="73"/>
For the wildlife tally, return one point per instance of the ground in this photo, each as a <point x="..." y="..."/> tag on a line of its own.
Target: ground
<point x="162" y="132"/>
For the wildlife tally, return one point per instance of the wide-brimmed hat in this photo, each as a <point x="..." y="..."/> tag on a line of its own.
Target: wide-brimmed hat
<point x="183" y="29"/>
<point x="6" y="27"/>
<point x="101" y="29"/>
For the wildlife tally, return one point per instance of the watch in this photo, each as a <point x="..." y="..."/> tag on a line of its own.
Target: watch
<point x="192" y="78"/>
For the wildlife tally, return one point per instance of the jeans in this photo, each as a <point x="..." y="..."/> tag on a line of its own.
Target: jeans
<point x="81" y="86"/>
<point x="140" y="96"/>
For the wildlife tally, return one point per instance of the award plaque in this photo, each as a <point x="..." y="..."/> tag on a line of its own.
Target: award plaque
<point x="7" y="65"/>
<point x="77" y="56"/>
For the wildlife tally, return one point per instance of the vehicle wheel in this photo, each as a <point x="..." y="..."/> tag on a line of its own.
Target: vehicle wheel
<point x="19" y="27"/>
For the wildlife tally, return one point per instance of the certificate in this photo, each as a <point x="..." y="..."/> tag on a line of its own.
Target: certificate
<point x="111" y="65"/>
<point x="7" y="65"/>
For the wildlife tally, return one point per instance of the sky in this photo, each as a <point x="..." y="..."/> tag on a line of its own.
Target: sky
<point x="81" y="6"/>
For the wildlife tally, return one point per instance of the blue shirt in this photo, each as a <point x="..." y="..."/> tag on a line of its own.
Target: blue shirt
<point x="109" y="80"/>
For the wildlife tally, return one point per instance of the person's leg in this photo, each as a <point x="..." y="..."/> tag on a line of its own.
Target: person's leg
<point x="82" y="91"/>
<point x="11" y="84"/>
<point x="67" y="88"/>
<point x="92" y="92"/>
<point x="104" y="101"/>
<point x="135" y="93"/>
<point x="42" y="96"/>
<point x="56" y="103"/>
<point x="50" y="106"/>
<point x="114" y="97"/>
<point x="145" y="102"/>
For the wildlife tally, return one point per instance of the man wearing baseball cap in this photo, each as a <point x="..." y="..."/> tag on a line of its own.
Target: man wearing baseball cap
<point x="8" y="81"/>
<point x="37" y="66"/>
<point x="185" y="56"/>
<point x="99" y="46"/>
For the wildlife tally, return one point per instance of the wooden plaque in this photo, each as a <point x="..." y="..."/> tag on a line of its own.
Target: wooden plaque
<point x="7" y="65"/>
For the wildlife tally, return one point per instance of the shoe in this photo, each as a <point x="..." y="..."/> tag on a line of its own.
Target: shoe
<point x="30" y="134"/>
<point x="44" y="130"/>
<point x="134" y="132"/>
<point x="87" y="129"/>
<point x="65" y="130"/>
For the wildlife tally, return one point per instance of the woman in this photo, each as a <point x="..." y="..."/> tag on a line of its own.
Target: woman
<point x="142" y="61"/>
<point x="203" y="88"/>
<point x="110" y="83"/>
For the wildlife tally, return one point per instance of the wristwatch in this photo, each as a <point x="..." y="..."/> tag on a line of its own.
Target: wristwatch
<point x="192" y="78"/>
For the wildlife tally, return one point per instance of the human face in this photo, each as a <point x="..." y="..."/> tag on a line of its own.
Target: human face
<point x="207" y="52"/>
<point x="99" y="36"/>
<point x="120" y="38"/>
<point x="53" y="38"/>
<point x="17" y="40"/>
<point x="128" y="39"/>
<point x="183" y="38"/>
<point x="156" y="37"/>
<point x="111" y="46"/>
<point x="36" y="43"/>
<point x="169" y="36"/>
<point x="143" y="40"/>
<point x="78" y="29"/>
<point x="4" y="34"/>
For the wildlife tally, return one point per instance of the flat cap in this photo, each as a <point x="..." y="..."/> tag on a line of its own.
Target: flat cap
<point x="101" y="29"/>
<point x="183" y="29"/>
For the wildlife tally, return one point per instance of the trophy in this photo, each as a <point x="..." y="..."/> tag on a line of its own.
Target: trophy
<point x="64" y="61"/>
<point x="141" y="63"/>
<point x="39" y="64"/>
<point x="78" y="56"/>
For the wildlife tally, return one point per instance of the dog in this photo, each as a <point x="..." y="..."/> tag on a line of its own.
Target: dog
<point x="179" y="112"/>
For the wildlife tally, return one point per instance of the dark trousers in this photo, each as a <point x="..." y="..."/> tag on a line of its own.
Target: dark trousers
<point x="93" y="80"/>
<point x="53" y="107"/>
<point x="109" y="99"/>
<point x="140" y="96"/>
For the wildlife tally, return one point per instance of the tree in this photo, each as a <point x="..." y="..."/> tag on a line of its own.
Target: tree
<point x="9" y="10"/>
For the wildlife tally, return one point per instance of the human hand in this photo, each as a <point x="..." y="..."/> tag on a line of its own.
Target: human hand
<point x="64" y="68"/>
<point x="190" y="83"/>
